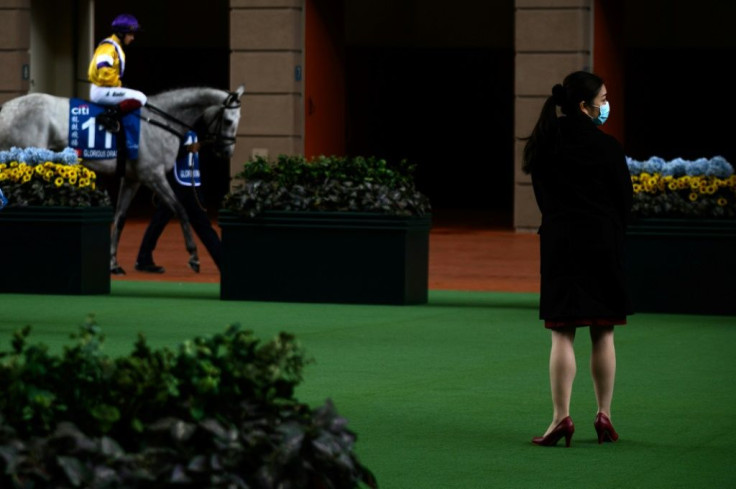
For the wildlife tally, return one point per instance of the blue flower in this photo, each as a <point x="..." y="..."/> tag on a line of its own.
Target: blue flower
<point x="635" y="166"/>
<point x="34" y="156"/>
<point x="718" y="167"/>
<point x="653" y="165"/>
<point x="696" y="167"/>
<point x="678" y="167"/>
<point x="675" y="168"/>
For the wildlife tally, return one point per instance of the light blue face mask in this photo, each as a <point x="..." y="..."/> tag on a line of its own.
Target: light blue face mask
<point x="604" y="110"/>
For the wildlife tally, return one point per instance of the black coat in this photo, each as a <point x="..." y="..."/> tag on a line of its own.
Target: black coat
<point x="584" y="192"/>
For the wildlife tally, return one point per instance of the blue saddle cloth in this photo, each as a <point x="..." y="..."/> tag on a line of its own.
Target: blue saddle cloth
<point x="91" y="140"/>
<point x="186" y="169"/>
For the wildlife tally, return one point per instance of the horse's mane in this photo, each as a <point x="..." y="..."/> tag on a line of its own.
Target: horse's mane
<point x="201" y="96"/>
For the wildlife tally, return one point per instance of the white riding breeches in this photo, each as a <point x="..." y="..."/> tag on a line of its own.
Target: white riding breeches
<point x="114" y="95"/>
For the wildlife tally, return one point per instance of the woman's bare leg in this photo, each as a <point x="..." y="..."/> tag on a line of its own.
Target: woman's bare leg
<point x="562" y="369"/>
<point x="603" y="367"/>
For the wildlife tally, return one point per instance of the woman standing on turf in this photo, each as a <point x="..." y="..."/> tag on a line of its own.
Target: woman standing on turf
<point x="583" y="189"/>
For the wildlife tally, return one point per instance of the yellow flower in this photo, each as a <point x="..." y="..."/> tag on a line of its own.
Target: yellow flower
<point x="693" y="197"/>
<point x="3" y="166"/>
<point x="13" y="164"/>
<point x="637" y="188"/>
<point x="3" y="177"/>
<point x="672" y="186"/>
<point x="73" y="179"/>
<point x="26" y="177"/>
<point x="48" y="175"/>
<point x="59" y="181"/>
<point x="722" y="201"/>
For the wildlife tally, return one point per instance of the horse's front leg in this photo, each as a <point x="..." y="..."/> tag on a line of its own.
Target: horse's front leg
<point x="125" y="197"/>
<point x="166" y="194"/>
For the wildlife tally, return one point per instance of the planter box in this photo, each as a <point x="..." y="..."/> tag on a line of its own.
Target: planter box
<point x="55" y="250"/>
<point x="682" y="265"/>
<point x="333" y="257"/>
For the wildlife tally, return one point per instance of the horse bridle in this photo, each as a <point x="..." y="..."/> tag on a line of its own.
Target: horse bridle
<point x="215" y="137"/>
<point x="211" y="137"/>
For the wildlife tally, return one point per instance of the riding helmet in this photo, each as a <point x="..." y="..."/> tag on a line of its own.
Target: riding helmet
<point x="125" y="24"/>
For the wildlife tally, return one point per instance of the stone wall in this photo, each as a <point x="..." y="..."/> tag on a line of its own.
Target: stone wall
<point x="15" y="42"/>
<point x="553" y="38"/>
<point x="266" y="42"/>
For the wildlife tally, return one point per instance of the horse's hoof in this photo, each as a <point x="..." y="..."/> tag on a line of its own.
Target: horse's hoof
<point x="194" y="265"/>
<point x="117" y="270"/>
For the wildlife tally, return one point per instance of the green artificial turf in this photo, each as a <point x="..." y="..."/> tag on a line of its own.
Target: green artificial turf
<point x="449" y="394"/>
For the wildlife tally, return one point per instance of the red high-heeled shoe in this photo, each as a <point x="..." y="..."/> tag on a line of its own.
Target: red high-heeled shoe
<point x="604" y="428"/>
<point x="564" y="428"/>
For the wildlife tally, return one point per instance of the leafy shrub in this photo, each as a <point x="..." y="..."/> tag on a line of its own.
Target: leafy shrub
<point x="218" y="413"/>
<point x="357" y="184"/>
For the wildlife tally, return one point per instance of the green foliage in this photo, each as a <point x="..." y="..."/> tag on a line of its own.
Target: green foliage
<point x="326" y="184"/>
<point x="674" y="204"/>
<point x="219" y="412"/>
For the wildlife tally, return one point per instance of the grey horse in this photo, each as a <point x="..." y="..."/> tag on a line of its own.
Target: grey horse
<point x="42" y="120"/>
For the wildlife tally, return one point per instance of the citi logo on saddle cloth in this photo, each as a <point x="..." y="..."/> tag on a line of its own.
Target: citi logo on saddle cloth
<point x="92" y="141"/>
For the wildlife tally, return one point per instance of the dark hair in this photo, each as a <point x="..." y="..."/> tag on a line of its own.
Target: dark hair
<point x="580" y="86"/>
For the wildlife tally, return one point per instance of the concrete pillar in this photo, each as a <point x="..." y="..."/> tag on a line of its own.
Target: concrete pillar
<point x="15" y="39"/>
<point x="552" y="39"/>
<point x="266" y="41"/>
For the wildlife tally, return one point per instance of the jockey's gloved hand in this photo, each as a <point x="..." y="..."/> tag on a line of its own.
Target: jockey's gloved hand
<point x="110" y="119"/>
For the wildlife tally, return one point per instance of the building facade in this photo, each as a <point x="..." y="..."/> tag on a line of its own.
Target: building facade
<point x="303" y="61"/>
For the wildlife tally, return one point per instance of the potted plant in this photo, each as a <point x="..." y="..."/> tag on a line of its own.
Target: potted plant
<point x="54" y="223"/>
<point x="330" y="229"/>
<point x="218" y="413"/>
<point x="680" y="245"/>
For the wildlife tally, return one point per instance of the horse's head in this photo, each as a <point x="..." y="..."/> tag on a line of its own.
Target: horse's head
<point x="222" y="124"/>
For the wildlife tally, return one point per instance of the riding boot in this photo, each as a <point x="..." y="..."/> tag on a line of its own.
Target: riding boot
<point x="119" y="111"/>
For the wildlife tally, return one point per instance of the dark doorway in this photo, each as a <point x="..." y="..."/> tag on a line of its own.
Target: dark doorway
<point x="183" y="44"/>
<point x="447" y="110"/>
<point x="432" y="83"/>
<point x="678" y="79"/>
<point x="679" y="104"/>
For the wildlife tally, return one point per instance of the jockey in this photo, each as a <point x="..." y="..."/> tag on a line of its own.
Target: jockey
<point x="107" y="68"/>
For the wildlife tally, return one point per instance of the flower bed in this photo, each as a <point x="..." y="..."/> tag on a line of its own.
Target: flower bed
<point x="51" y="203"/>
<point x="329" y="229"/>
<point x="684" y="233"/>
<point x="331" y="184"/>
<point x="703" y="188"/>
<point x="41" y="177"/>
